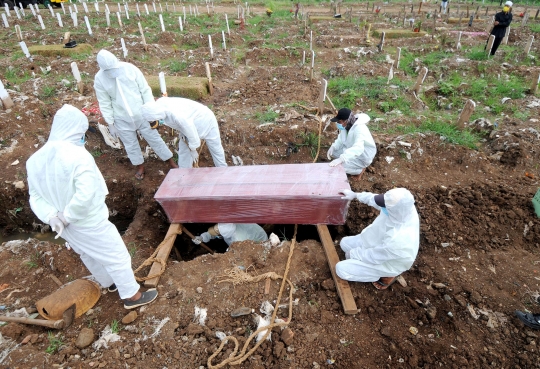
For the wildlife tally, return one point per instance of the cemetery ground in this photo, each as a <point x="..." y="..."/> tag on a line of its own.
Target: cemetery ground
<point x="473" y="185"/>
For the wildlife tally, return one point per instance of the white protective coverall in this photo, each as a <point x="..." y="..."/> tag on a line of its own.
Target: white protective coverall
<point x="356" y="148"/>
<point x="63" y="177"/>
<point x="388" y="246"/>
<point x="121" y="90"/>
<point x="235" y="232"/>
<point x="194" y="121"/>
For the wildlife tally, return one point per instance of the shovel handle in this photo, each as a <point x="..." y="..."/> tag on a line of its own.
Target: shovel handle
<point x="55" y="324"/>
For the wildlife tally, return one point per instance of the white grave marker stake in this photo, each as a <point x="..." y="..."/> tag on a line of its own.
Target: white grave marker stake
<point x="108" y="18"/>
<point x="107" y="9"/>
<point x="227" y="22"/>
<point x="18" y="32"/>
<point x="40" y="20"/>
<point x="160" y="8"/>
<point x="74" y="7"/>
<point x="96" y="7"/>
<point x="184" y="14"/>
<point x="311" y="40"/>
<point x="146" y="9"/>
<point x="60" y="24"/>
<point x="6" y="7"/>
<point x="180" y="22"/>
<point x="224" y="43"/>
<point x="190" y="12"/>
<point x="162" y="24"/>
<point x="304" y="58"/>
<point x="138" y="12"/>
<point x="4" y="95"/>
<point x="85" y="8"/>
<point x="119" y="19"/>
<point x="75" y="20"/>
<point x="119" y="8"/>
<point x="124" y="50"/>
<point x="36" y="8"/>
<point x="398" y="57"/>
<point x="88" y="25"/>
<point x="4" y="18"/>
<point x="17" y="11"/>
<point x="197" y="10"/>
<point x="127" y="11"/>
<point x="51" y="10"/>
<point x="529" y="45"/>
<point x="142" y="37"/>
<point x="211" y="49"/>
<point x="21" y="8"/>
<point x="162" y="84"/>
<point x="63" y="8"/>
<point x="25" y="50"/>
<point x="154" y="5"/>
<point x="32" y="9"/>
<point x="312" y="64"/>
<point x="77" y="76"/>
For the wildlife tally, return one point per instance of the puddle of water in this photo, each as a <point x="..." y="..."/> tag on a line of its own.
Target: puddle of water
<point x="48" y="236"/>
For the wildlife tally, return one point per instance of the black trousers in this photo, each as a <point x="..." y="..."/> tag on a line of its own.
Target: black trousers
<point x="496" y="44"/>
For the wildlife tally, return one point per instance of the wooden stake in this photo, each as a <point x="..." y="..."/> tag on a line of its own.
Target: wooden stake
<point x="267" y="286"/>
<point x="67" y="36"/>
<point x="209" y="76"/>
<point x="163" y="254"/>
<point x="535" y="80"/>
<point x="490" y="44"/>
<point x="421" y="77"/>
<point x="527" y="46"/>
<point x="505" y="39"/>
<point x="18" y="32"/>
<point x="322" y="96"/>
<point x="398" y="57"/>
<point x="342" y="286"/>
<point x="466" y="113"/>
<point x="142" y="37"/>
<point x="312" y="65"/>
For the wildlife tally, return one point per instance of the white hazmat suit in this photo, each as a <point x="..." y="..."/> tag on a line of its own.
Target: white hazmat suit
<point x="356" y="148"/>
<point x="121" y="90"/>
<point x="388" y="246"/>
<point x="63" y="177"/>
<point x="194" y="121"/>
<point x="236" y="232"/>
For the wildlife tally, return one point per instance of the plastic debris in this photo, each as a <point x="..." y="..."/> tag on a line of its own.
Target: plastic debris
<point x="274" y="240"/>
<point x="389" y="159"/>
<point x="413" y="330"/>
<point x="262" y="322"/>
<point x="15" y="162"/>
<point x="106" y="337"/>
<point x="200" y="315"/>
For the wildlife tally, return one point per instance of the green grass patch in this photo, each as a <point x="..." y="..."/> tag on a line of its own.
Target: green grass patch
<point x="435" y="58"/>
<point x="54" y="343"/>
<point x="477" y="53"/>
<point x="47" y="91"/>
<point x="406" y="62"/>
<point x="450" y="132"/>
<point x="176" y="66"/>
<point x="16" y="76"/>
<point x="267" y="116"/>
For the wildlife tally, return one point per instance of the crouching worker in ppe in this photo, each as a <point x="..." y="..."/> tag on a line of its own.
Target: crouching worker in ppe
<point x="194" y="121"/>
<point x="354" y="147"/>
<point x="233" y="232"/>
<point x="388" y="246"/>
<point x="67" y="191"/>
<point x="121" y="90"/>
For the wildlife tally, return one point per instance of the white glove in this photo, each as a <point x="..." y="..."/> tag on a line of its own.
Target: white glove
<point x="60" y="216"/>
<point x="206" y="237"/>
<point x="349" y="195"/>
<point x="330" y="152"/>
<point x="57" y="226"/>
<point x="194" y="156"/>
<point x="114" y="131"/>
<point x="364" y="197"/>
<point x="336" y="162"/>
<point x="197" y="240"/>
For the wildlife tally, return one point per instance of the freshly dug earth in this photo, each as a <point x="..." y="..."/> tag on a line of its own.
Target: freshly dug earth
<point x="478" y="258"/>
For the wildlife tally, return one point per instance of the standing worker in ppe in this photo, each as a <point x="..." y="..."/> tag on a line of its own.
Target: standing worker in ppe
<point x="194" y="121"/>
<point x="354" y="147"/>
<point x="388" y="246"/>
<point x="502" y="21"/>
<point x="121" y="90"/>
<point x="67" y="191"/>
<point x="232" y="232"/>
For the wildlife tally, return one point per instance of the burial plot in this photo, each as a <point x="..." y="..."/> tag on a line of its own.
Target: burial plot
<point x="398" y="33"/>
<point x="194" y="88"/>
<point x="60" y="50"/>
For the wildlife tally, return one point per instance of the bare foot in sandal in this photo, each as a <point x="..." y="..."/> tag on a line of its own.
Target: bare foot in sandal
<point x="140" y="172"/>
<point x="384" y="282"/>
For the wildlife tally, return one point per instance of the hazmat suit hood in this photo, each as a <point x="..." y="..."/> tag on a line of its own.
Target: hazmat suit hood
<point x="69" y="125"/>
<point x="108" y="63"/>
<point x="152" y="111"/>
<point x="400" y="205"/>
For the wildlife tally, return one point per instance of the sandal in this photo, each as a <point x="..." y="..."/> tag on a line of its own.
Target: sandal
<point x="530" y="320"/>
<point x="139" y="176"/>
<point x="380" y="285"/>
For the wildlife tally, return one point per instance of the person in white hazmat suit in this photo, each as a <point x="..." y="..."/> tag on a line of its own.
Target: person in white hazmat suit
<point x="233" y="232"/>
<point x="354" y="147"/>
<point x="388" y="246"/>
<point x="67" y="191"/>
<point x="121" y="90"/>
<point x="194" y="121"/>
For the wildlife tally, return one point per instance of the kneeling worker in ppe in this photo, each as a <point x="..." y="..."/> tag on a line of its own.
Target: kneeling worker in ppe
<point x="194" y="121"/>
<point x="121" y="90"/>
<point x="354" y="147"/>
<point x="233" y="232"/>
<point x="67" y="191"/>
<point x="388" y="246"/>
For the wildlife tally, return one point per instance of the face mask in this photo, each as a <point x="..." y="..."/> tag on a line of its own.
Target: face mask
<point x="83" y="140"/>
<point x="385" y="211"/>
<point x="340" y="126"/>
<point x="506" y="9"/>
<point x="161" y="122"/>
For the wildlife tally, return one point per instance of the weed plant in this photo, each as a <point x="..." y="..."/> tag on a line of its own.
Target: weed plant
<point x="450" y="132"/>
<point x="54" y="343"/>
<point x="267" y="116"/>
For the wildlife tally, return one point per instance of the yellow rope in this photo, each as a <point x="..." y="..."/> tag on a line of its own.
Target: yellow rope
<point x="319" y="141"/>
<point x="236" y="276"/>
<point x="152" y="259"/>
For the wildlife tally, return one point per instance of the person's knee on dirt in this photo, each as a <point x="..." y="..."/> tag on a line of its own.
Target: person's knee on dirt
<point x="388" y="246"/>
<point x="67" y="191"/>
<point x="194" y="121"/>
<point x="233" y="232"/>
<point x="121" y="90"/>
<point x="501" y="23"/>
<point x="354" y="147"/>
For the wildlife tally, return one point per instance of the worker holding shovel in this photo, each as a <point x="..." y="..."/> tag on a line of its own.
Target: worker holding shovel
<point x="194" y="121"/>
<point x="67" y="191"/>
<point x="388" y="246"/>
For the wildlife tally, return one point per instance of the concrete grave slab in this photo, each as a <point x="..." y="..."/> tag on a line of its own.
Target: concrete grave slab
<point x="194" y="88"/>
<point x="398" y="33"/>
<point x="60" y="50"/>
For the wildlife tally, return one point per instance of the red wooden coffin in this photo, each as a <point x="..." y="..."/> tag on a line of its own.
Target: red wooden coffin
<point x="273" y="194"/>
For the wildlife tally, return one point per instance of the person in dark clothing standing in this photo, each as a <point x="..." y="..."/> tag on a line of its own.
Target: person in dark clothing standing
<point x="502" y="21"/>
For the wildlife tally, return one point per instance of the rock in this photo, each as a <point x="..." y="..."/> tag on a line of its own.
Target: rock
<point x="287" y="336"/>
<point x="279" y="349"/>
<point x="439" y="285"/>
<point x="328" y="285"/>
<point x="85" y="339"/>
<point x="431" y="312"/>
<point x="130" y="317"/>
<point x="19" y="185"/>
<point x="199" y="290"/>
<point x="447" y="298"/>
<point x="476" y="298"/>
<point x="26" y="339"/>
<point x="461" y="300"/>
<point x="194" y="329"/>
<point x="386" y="332"/>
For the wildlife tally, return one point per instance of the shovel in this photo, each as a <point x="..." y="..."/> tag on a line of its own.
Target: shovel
<point x="67" y="319"/>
